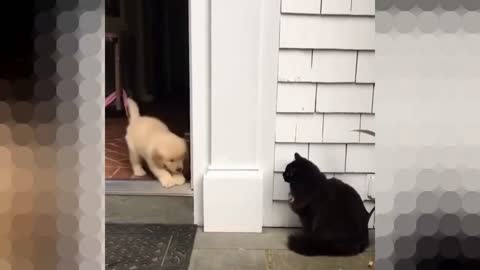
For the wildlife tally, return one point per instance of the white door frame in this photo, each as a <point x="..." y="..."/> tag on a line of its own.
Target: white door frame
<point x="233" y="75"/>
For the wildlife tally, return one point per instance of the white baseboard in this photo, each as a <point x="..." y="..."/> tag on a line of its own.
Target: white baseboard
<point x="233" y="201"/>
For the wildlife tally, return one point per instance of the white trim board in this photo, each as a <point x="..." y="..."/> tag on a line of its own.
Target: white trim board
<point x="199" y="31"/>
<point x="139" y="187"/>
<point x="233" y="99"/>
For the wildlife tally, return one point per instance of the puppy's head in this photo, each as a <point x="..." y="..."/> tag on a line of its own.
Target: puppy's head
<point x="170" y="153"/>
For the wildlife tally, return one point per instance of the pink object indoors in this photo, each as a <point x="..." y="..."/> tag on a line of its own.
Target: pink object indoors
<point x="112" y="97"/>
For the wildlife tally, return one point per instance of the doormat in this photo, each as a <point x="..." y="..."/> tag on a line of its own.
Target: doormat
<point x="148" y="246"/>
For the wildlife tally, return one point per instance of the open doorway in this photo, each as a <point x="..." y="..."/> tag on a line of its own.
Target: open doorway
<point x="147" y="59"/>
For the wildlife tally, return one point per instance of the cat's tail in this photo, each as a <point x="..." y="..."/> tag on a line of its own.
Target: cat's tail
<point x="370" y="214"/>
<point x="315" y="245"/>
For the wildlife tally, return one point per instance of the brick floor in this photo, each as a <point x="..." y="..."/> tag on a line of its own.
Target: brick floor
<point x="117" y="164"/>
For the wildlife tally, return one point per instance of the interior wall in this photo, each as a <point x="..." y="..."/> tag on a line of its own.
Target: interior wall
<point x="170" y="50"/>
<point x="166" y="49"/>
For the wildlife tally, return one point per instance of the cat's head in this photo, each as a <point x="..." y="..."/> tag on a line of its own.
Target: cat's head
<point x="300" y="169"/>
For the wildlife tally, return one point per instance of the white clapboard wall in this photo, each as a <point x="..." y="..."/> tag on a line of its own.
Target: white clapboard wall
<point x="325" y="90"/>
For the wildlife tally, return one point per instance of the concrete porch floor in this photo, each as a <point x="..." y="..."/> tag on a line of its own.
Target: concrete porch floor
<point x="232" y="251"/>
<point x="265" y="251"/>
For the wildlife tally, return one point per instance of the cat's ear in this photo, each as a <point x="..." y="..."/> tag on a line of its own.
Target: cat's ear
<point x="297" y="156"/>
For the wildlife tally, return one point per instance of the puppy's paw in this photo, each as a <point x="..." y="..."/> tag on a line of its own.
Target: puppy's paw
<point x="179" y="179"/>
<point x="167" y="181"/>
<point x="139" y="171"/>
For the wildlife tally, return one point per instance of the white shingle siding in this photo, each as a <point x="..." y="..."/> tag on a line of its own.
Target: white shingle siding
<point x="329" y="7"/>
<point x="328" y="157"/>
<point x="336" y="6"/>
<point x="296" y="97"/>
<point x="363" y="7"/>
<point x="301" y="6"/>
<point x="367" y="121"/>
<point x="360" y="158"/>
<point x="334" y="66"/>
<point x="373" y="100"/>
<point x="326" y="89"/>
<point x="344" y="98"/>
<point x="348" y="7"/>
<point x="300" y="128"/>
<point x="317" y="66"/>
<point x="309" y="128"/>
<point x="285" y="127"/>
<point x="284" y="154"/>
<point x="337" y="128"/>
<point x="365" y="67"/>
<point x="371" y="185"/>
<point x="327" y="32"/>
<point x="280" y="188"/>
<point x="295" y="65"/>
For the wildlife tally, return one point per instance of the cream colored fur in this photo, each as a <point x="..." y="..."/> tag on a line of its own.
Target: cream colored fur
<point x="150" y="139"/>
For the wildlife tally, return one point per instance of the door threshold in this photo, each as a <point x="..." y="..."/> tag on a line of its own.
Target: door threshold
<point x="142" y="187"/>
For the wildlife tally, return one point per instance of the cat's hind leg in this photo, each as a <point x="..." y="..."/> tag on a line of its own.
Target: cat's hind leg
<point x="302" y="244"/>
<point x="314" y="244"/>
<point x="307" y="223"/>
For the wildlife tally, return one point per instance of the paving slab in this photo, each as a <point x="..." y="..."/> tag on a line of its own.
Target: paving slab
<point x="270" y="238"/>
<point x="287" y="260"/>
<point x="227" y="259"/>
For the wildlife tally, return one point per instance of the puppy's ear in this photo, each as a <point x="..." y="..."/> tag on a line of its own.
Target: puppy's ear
<point x="297" y="156"/>
<point x="158" y="157"/>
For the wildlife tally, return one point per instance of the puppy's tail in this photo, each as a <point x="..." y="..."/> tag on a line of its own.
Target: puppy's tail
<point x="133" y="110"/>
<point x="315" y="245"/>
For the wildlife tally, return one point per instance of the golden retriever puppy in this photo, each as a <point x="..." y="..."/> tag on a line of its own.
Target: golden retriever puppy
<point x="150" y="139"/>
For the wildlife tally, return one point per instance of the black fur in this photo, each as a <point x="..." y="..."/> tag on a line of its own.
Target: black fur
<point x="334" y="218"/>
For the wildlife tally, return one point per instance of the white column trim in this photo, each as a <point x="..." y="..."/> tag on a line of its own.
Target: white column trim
<point x="199" y="31"/>
<point x="234" y="59"/>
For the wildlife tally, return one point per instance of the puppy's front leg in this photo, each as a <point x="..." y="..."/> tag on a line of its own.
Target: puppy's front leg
<point x="136" y="164"/>
<point x="135" y="160"/>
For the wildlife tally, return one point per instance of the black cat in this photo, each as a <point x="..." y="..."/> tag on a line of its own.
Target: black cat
<point x="334" y="218"/>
